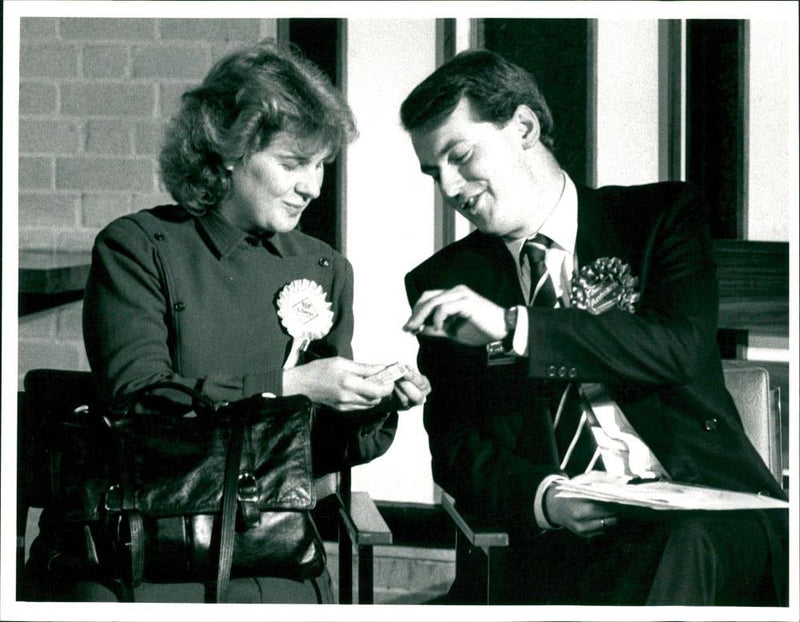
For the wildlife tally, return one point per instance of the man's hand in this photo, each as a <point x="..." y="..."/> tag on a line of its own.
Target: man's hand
<point x="582" y="517"/>
<point x="458" y="314"/>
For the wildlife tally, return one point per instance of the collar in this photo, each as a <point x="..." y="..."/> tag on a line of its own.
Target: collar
<point x="225" y="238"/>
<point x="561" y="225"/>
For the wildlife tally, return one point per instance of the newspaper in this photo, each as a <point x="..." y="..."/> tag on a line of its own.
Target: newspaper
<point x="662" y="494"/>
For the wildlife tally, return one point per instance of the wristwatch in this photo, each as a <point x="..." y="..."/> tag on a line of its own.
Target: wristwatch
<point x="510" y="317"/>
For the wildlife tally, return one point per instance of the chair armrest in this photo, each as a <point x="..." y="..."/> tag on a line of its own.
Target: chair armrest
<point x="477" y="532"/>
<point x="775" y="433"/>
<point x="364" y="523"/>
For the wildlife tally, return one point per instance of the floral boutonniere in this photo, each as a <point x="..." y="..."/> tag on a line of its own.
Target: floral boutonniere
<point x="603" y="284"/>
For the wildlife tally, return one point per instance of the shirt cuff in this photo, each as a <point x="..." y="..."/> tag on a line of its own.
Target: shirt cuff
<point x="538" y="501"/>
<point x="519" y="343"/>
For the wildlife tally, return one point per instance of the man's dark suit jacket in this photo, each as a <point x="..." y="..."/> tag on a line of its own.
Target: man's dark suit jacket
<point x="490" y="432"/>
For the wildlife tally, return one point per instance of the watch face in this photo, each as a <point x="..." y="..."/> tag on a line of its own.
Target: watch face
<point x="511" y="318"/>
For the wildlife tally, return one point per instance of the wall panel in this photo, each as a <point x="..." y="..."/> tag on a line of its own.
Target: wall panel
<point x="388" y="225"/>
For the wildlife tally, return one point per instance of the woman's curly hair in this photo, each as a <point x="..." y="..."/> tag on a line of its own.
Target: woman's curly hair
<point x="244" y="100"/>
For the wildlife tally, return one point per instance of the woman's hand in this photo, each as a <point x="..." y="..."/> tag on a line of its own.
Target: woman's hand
<point x="582" y="517"/>
<point x="410" y="390"/>
<point x="337" y="382"/>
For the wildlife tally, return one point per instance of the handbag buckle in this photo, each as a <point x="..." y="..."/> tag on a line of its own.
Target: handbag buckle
<point x="113" y="498"/>
<point x="247" y="489"/>
<point x="247" y="495"/>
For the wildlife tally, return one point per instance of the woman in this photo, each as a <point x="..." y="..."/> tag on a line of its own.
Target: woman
<point x="221" y="292"/>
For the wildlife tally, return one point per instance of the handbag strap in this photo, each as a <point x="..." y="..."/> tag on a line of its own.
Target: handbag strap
<point x="129" y="526"/>
<point x="135" y="525"/>
<point x="199" y="400"/>
<point x="229" y="502"/>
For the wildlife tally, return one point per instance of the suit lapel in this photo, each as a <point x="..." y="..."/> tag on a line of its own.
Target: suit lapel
<point x="600" y="232"/>
<point x="496" y="278"/>
<point x="612" y="224"/>
<point x="589" y="243"/>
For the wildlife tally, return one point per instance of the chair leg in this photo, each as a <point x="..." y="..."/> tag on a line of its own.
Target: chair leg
<point x="365" y="589"/>
<point x="494" y="573"/>
<point x="479" y="573"/>
<point x="471" y="585"/>
<point x="345" y="567"/>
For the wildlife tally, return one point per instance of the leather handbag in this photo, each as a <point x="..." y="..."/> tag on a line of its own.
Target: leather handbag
<point x="200" y="494"/>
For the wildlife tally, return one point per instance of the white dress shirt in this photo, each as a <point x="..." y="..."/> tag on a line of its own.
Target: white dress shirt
<point x="561" y="226"/>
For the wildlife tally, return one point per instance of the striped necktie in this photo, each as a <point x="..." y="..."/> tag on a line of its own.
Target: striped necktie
<point x="542" y="292"/>
<point x="577" y="447"/>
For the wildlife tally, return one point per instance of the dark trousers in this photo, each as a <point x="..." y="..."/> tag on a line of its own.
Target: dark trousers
<point x="710" y="559"/>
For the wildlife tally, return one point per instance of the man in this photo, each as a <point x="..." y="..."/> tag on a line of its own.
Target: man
<point x="482" y="130"/>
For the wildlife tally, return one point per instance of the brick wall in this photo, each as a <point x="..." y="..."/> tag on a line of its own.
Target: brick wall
<point x="94" y="95"/>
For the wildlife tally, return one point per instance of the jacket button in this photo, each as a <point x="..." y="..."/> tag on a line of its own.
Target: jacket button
<point x="324" y="262"/>
<point x="551" y="371"/>
<point x="158" y="236"/>
<point x="709" y="425"/>
<point x="562" y="372"/>
<point x="178" y="306"/>
<point x="572" y="373"/>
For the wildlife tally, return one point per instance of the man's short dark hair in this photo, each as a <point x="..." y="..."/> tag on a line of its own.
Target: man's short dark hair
<point x="493" y="85"/>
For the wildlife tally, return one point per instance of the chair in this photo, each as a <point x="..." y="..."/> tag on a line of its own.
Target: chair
<point x="760" y="409"/>
<point x="48" y="392"/>
<point x="480" y="545"/>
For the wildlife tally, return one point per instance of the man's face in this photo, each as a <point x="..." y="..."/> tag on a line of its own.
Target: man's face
<point x="480" y="169"/>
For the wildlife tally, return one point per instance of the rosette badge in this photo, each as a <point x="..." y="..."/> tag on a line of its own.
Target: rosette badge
<point x="604" y="284"/>
<point x="305" y="314"/>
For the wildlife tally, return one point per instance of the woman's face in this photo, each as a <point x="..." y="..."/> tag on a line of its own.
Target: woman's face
<point x="272" y="188"/>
